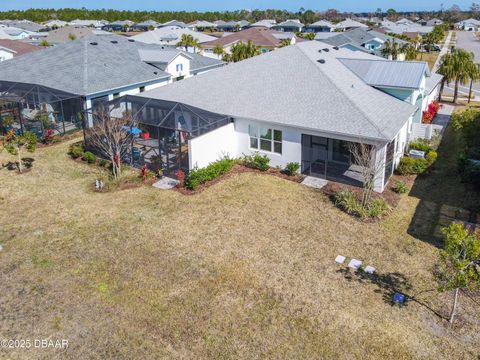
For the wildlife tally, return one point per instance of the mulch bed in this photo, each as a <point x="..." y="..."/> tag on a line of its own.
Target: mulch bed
<point x="239" y="169"/>
<point x="67" y="137"/>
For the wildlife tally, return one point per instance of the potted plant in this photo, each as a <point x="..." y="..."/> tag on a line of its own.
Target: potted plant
<point x="145" y="135"/>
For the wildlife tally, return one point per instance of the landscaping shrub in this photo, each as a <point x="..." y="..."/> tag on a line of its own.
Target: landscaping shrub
<point x="400" y="187"/>
<point x="414" y="166"/>
<point x="292" y="168"/>
<point x="76" y="150"/>
<point x="411" y="166"/>
<point x="197" y="177"/>
<point x="347" y="200"/>
<point x="257" y="161"/>
<point x="469" y="170"/>
<point x="103" y="163"/>
<point x="89" y="157"/>
<point x="420" y="145"/>
<point x="377" y="208"/>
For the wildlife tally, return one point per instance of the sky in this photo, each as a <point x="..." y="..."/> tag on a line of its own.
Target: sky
<point x="219" y="5"/>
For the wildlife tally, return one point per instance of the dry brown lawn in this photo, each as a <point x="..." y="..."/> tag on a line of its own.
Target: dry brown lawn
<point x="430" y="58"/>
<point x="243" y="270"/>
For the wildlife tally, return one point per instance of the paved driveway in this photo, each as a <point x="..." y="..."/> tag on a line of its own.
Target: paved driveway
<point x="467" y="41"/>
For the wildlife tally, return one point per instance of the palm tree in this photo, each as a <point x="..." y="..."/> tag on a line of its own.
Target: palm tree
<point x="391" y="49"/>
<point x="410" y="52"/>
<point x="187" y="41"/>
<point x="241" y="51"/>
<point x="458" y="66"/>
<point x="218" y="50"/>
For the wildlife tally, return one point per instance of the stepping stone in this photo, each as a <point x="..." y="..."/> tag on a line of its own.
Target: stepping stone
<point x="340" y="259"/>
<point x="165" y="183"/>
<point x="314" y="182"/>
<point x="355" y="264"/>
<point x="370" y="270"/>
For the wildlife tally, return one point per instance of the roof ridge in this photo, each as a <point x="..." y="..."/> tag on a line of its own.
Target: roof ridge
<point x="343" y="93"/>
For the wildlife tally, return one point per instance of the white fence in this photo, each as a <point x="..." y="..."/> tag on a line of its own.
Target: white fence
<point x="425" y="131"/>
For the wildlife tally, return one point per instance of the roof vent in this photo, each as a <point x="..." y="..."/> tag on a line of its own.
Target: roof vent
<point x="326" y="50"/>
<point x="93" y="43"/>
<point x="155" y="72"/>
<point x="335" y="47"/>
<point x="320" y="50"/>
<point x="321" y="61"/>
<point x="114" y="42"/>
<point x="131" y="40"/>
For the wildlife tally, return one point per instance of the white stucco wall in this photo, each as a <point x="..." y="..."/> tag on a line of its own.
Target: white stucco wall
<point x="179" y="60"/>
<point x="212" y="146"/>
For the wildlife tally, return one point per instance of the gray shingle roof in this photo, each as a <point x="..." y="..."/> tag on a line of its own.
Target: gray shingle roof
<point x="386" y="73"/>
<point x="289" y="87"/>
<point x="80" y="68"/>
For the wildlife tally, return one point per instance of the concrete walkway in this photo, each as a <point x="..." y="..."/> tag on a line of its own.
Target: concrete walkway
<point x="445" y="49"/>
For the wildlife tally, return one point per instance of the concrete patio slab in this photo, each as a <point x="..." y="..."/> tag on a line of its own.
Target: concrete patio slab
<point x="165" y="183"/>
<point x="314" y="182"/>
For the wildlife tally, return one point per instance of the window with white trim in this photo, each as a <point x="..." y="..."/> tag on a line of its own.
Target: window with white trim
<point x="179" y="67"/>
<point x="265" y="139"/>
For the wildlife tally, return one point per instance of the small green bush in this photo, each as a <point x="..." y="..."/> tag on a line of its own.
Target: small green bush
<point x="400" y="187"/>
<point x="377" y="208"/>
<point x="347" y="200"/>
<point x="431" y="157"/>
<point x="411" y="166"/>
<point x="420" y="145"/>
<point x="469" y="171"/>
<point x="76" y="150"/>
<point x="89" y="157"/>
<point x="257" y="161"/>
<point x="292" y="168"/>
<point x="197" y="177"/>
<point x="103" y="163"/>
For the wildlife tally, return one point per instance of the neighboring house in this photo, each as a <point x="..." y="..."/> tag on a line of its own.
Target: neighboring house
<point x="69" y="33"/>
<point x="11" y="33"/>
<point x="292" y="25"/>
<point x="174" y="23"/>
<point x="297" y="104"/>
<point x="145" y="25"/>
<point x="201" y="25"/>
<point x="410" y="27"/>
<point x="265" y="39"/>
<point x="364" y="39"/>
<point x="54" y="24"/>
<point x="171" y="36"/>
<point x="349" y="24"/>
<point x="26" y="25"/>
<point x="404" y="80"/>
<point x="267" y="23"/>
<point x="468" y="25"/>
<point x="97" y="69"/>
<point x="88" y="23"/>
<point x="433" y="22"/>
<point x="13" y="48"/>
<point x="118" y="26"/>
<point x="404" y="21"/>
<point x="432" y="89"/>
<point x="232" y="26"/>
<point x="320" y="26"/>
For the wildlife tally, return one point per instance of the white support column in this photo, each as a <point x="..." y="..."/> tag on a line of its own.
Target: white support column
<point x="380" y="161"/>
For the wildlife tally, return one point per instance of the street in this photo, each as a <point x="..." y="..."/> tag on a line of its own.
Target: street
<point x="467" y="41"/>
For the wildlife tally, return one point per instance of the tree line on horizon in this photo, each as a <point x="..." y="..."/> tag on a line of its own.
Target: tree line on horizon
<point x="451" y="15"/>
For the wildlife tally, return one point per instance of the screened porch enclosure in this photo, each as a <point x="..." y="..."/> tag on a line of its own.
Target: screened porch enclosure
<point x="38" y="109"/>
<point x="160" y="130"/>
<point x="329" y="159"/>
